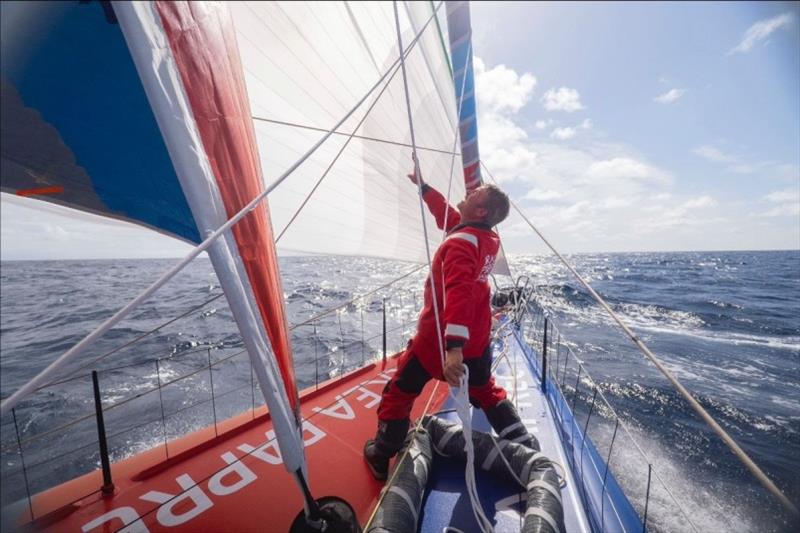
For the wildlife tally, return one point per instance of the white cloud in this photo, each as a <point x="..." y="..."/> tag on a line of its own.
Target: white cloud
<point x="64" y="233"/>
<point x="615" y="202"/>
<point x="543" y="124"/>
<point x="786" y="195"/>
<point x="783" y="210"/>
<point x="542" y="195"/>
<point x="563" y="134"/>
<point x="702" y="201"/>
<point x="562" y="99"/>
<point x="738" y="164"/>
<point x="620" y="168"/>
<point x="587" y="124"/>
<point x="592" y="194"/>
<point x="714" y="154"/>
<point x="501" y="88"/>
<point x="760" y="31"/>
<point x="669" y="96"/>
<point x="787" y="200"/>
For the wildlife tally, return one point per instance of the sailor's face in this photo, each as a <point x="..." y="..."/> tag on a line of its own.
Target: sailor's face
<point x="473" y="207"/>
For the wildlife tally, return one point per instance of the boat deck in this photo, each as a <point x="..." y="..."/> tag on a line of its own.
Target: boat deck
<point x="447" y="503"/>
<point x="235" y="481"/>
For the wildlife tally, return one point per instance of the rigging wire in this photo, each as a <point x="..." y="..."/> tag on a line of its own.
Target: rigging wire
<point x="131" y="342"/>
<point x="462" y="401"/>
<point x="373" y="291"/>
<point x="698" y="409"/>
<point x="353" y="135"/>
<point x="341" y="151"/>
<point x="40" y="378"/>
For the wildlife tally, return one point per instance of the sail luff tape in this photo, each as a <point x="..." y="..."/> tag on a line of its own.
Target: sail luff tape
<point x="451" y="431"/>
<point x="511" y="428"/>
<point x="745" y="459"/>
<point x="544" y="515"/>
<point x="406" y="498"/>
<point x="10" y="402"/>
<point x="492" y="457"/>
<point x="545" y="485"/>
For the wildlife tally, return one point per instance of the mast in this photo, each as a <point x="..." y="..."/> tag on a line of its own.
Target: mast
<point x="459" y="31"/>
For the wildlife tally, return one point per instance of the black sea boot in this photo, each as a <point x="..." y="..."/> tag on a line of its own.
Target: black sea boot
<point x="387" y="442"/>
<point x="504" y="419"/>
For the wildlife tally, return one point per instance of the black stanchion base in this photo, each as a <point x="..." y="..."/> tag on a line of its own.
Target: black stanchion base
<point x="339" y="517"/>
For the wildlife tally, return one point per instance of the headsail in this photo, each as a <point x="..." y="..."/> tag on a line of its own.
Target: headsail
<point x="186" y="90"/>
<point x="305" y="64"/>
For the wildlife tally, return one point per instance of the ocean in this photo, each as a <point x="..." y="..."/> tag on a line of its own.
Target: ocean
<point x="727" y="324"/>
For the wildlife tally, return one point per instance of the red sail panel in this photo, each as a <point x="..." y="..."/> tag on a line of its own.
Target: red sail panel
<point x="203" y="42"/>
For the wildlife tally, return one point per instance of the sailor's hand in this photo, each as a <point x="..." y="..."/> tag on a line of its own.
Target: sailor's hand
<point x="413" y="178"/>
<point x="453" y="366"/>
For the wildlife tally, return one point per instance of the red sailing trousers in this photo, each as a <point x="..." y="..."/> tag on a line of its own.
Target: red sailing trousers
<point x="412" y="375"/>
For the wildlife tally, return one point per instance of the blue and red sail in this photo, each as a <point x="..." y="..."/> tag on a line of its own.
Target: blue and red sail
<point x="141" y="114"/>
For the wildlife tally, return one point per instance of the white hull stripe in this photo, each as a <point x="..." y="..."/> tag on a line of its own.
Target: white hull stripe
<point x="456" y="330"/>
<point x="469" y="237"/>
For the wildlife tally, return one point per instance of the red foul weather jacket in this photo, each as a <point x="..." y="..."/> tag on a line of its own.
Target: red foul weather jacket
<point x="460" y="270"/>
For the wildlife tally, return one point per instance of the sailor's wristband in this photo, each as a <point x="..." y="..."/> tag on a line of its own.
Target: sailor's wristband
<point x="424" y="187"/>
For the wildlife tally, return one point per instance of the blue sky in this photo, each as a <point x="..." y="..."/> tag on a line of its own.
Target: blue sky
<point x="615" y="127"/>
<point x="671" y="126"/>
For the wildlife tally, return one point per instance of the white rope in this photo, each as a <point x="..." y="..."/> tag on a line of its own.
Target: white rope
<point x="418" y="174"/>
<point x="461" y="398"/>
<point x="79" y="348"/>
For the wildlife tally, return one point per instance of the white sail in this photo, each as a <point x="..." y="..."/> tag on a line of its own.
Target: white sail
<point x="305" y="64"/>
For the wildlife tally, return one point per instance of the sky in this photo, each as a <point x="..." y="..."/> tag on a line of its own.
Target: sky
<point x="614" y="127"/>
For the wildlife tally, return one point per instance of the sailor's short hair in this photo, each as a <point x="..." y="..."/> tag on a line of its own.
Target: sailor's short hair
<point x="497" y="205"/>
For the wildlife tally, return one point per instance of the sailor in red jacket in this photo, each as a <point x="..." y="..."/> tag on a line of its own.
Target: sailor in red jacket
<point x="460" y="271"/>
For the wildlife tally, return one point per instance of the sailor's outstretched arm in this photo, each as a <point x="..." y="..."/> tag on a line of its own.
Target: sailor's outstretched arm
<point x="438" y="206"/>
